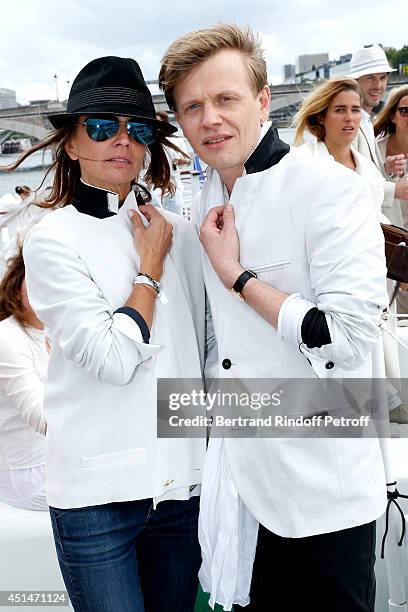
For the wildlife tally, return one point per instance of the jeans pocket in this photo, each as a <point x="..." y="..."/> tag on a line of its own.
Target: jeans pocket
<point x="58" y="512"/>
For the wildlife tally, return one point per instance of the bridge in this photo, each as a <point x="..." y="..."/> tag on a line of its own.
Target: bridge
<point x="31" y="119"/>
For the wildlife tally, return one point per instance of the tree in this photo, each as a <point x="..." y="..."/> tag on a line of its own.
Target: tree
<point x="397" y="56"/>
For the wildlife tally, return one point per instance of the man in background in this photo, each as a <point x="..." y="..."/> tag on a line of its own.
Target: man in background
<point x="369" y="66"/>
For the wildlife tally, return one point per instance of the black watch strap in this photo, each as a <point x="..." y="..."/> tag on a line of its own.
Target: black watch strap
<point x="242" y="280"/>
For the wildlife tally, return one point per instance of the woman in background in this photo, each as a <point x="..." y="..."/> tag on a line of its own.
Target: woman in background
<point x="179" y="159"/>
<point x="23" y="370"/>
<point x="23" y="191"/>
<point x="391" y="129"/>
<point x="332" y="114"/>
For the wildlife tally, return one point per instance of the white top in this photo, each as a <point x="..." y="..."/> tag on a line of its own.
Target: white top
<point x="23" y="370"/>
<point x="172" y="155"/>
<point x="366" y="145"/>
<point x="101" y="390"/>
<point x="382" y="146"/>
<point x="308" y="229"/>
<point x="365" y="168"/>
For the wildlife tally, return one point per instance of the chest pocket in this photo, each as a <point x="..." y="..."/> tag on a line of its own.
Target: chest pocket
<point x="275" y="273"/>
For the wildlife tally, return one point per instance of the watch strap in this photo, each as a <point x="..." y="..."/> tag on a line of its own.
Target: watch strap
<point x="242" y="280"/>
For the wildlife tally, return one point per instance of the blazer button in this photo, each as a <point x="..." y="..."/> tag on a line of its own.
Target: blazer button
<point x="226" y="364"/>
<point x="329" y="365"/>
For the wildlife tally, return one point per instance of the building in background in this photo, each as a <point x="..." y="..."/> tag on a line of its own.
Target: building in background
<point x="289" y="73"/>
<point x="310" y="61"/>
<point x="7" y="98"/>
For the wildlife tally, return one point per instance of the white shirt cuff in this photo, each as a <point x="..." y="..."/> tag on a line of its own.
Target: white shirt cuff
<point x="290" y="319"/>
<point x="129" y="328"/>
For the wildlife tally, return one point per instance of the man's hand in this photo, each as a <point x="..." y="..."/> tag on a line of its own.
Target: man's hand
<point x="395" y="164"/>
<point x="401" y="189"/>
<point x="219" y="238"/>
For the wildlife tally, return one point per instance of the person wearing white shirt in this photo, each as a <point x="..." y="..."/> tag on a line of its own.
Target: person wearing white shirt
<point x="331" y="114"/>
<point x="179" y="159"/>
<point x="294" y="266"/>
<point x="369" y="66"/>
<point x="391" y="130"/>
<point x="23" y="370"/>
<point x="119" y="287"/>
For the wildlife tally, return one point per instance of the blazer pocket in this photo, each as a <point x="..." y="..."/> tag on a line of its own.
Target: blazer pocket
<point x="268" y="267"/>
<point x="133" y="455"/>
<point x="275" y="274"/>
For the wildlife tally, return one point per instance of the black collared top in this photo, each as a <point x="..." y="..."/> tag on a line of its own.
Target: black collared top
<point x="268" y="153"/>
<point x="93" y="201"/>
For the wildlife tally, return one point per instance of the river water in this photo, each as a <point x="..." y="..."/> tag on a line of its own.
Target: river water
<point x="30" y="173"/>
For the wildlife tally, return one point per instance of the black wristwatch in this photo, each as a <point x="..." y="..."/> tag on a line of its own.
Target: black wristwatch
<point x="241" y="282"/>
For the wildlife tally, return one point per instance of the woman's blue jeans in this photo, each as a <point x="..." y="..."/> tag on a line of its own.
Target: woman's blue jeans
<point x="128" y="557"/>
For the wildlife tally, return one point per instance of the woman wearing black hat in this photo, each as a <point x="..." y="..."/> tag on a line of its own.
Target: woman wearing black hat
<point x="119" y="288"/>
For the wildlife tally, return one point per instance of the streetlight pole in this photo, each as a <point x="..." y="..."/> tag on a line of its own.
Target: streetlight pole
<point x="56" y="85"/>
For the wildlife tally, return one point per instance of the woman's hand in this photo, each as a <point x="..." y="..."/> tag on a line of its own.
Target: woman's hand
<point x="395" y="164"/>
<point x="401" y="189"/>
<point x="152" y="242"/>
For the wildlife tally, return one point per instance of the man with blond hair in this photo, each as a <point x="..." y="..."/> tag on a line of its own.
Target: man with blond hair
<point x="297" y="244"/>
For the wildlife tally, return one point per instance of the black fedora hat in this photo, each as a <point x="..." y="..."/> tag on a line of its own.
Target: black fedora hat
<point x="110" y="85"/>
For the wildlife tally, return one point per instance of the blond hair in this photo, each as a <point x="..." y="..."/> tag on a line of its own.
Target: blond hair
<point x="383" y="124"/>
<point x="316" y="103"/>
<point x="190" y="50"/>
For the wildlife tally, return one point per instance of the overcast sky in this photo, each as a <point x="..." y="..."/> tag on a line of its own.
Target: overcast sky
<point x="40" y="38"/>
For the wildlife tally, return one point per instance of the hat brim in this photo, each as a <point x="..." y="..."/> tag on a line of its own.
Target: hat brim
<point x="379" y="70"/>
<point x="59" y="120"/>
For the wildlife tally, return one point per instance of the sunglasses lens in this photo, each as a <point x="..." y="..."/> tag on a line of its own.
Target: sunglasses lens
<point x="403" y="110"/>
<point x="143" y="133"/>
<point x="101" y="129"/>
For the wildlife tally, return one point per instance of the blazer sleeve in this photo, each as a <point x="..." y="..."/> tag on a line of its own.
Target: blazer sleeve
<point x="20" y="381"/>
<point x="345" y="252"/>
<point x="108" y="345"/>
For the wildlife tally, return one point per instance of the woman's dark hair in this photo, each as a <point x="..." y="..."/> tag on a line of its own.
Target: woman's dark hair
<point x="67" y="171"/>
<point x="384" y="123"/>
<point x="22" y="189"/>
<point x="11" y="303"/>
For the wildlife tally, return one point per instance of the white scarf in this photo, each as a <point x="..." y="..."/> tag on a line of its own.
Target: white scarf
<point x="227" y="531"/>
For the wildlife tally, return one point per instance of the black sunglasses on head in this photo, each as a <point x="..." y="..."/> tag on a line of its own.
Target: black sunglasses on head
<point x="100" y="129"/>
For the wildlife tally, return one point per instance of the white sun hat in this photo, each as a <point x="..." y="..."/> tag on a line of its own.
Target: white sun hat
<point x="369" y="60"/>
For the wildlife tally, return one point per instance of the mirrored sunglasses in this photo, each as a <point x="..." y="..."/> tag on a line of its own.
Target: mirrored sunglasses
<point x="403" y="110"/>
<point x="100" y="129"/>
